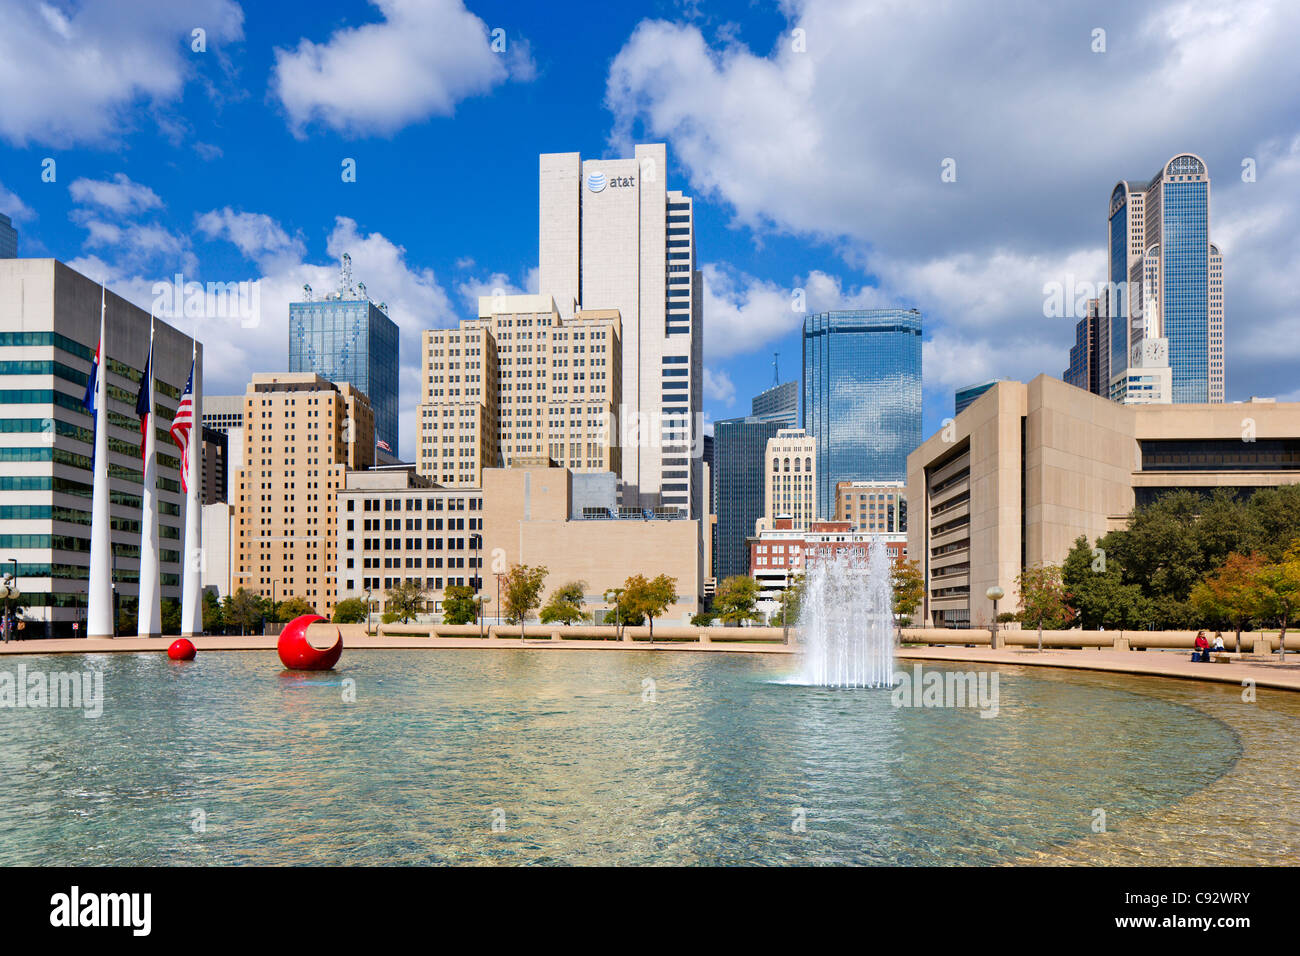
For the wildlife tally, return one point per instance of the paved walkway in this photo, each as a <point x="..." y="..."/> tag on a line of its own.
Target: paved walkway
<point x="1176" y="664"/>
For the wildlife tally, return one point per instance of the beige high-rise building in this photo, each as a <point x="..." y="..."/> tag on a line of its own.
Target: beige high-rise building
<point x="520" y="382"/>
<point x="872" y="506"/>
<point x="302" y="434"/>
<point x="789" y="480"/>
<point x="456" y="430"/>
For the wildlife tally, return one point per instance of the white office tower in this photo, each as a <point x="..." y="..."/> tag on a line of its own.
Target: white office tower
<point x="613" y="236"/>
<point x="1148" y="380"/>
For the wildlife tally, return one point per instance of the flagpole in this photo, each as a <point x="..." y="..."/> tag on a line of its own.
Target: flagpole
<point x="191" y="580"/>
<point x="149" y="604"/>
<point x="99" y="598"/>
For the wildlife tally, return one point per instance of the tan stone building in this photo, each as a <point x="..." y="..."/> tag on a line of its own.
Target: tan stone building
<point x="789" y="480"/>
<point x="394" y="525"/>
<point x="529" y="518"/>
<point x="520" y="382"/>
<point x="1020" y="474"/>
<point x="302" y="433"/>
<point x="879" y="506"/>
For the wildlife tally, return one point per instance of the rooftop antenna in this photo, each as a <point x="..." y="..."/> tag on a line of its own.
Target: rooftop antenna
<point x="776" y="375"/>
<point x="345" y="275"/>
<point x="307" y="291"/>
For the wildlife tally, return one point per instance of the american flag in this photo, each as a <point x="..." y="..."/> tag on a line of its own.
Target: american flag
<point x="92" y="384"/>
<point x="384" y="445"/>
<point x="181" y="425"/>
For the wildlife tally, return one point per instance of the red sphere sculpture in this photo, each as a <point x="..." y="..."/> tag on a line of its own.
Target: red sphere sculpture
<point x="182" y="649"/>
<point x="297" y="653"/>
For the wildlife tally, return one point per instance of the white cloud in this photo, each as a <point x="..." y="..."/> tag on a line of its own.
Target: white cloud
<point x="425" y="57"/>
<point x="72" y="77"/>
<point x="119" y="195"/>
<point x="718" y="386"/>
<point x="232" y="351"/>
<point x="846" y="148"/>
<point x="258" y="236"/>
<point x="13" y="207"/>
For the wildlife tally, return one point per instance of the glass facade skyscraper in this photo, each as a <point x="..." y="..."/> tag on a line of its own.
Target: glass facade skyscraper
<point x="739" y="450"/>
<point x="8" y="238"/>
<point x="1164" y="298"/>
<point x="350" y="340"/>
<point x="861" y="395"/>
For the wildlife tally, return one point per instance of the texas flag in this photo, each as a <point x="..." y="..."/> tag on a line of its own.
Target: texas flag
<point x="92" y="385"/>
<point x="144" y="402"/>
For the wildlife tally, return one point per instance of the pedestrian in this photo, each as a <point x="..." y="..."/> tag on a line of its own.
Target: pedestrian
<point x="1202" y="652"/>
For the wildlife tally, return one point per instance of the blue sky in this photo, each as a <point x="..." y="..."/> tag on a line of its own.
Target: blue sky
<point x="815" y="158"/>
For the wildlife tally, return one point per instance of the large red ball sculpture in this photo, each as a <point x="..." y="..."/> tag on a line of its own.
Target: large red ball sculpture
<point x="296" y="652"/>
<point x="182" y="649"/>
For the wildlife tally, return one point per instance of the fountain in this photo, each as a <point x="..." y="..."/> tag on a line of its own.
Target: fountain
<point x="846" y="620"/>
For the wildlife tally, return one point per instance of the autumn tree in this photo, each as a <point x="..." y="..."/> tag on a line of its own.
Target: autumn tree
<point x="909" y="588"/>
<point x="649" y="598"/>
<point x="405" y="601"/>
<point x="522" y="592"/>
<point x="1043" y="600"/>
<point x="1231" y="593"/>
<point x="736" y="598"/>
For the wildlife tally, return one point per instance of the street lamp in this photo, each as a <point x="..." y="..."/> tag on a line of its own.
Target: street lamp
<point x="498" y="577"/>
<point x="480" y="600"/>
<point x="478" y="560"/>
<point x="367" y="612"/>
<point x="994" y="594"/>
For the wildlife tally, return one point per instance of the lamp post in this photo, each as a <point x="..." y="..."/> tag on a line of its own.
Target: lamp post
<point x="480" y="600"/>
<point x="498" y="577"/>
<point x="994" y="594"/>
<point x="478" y="561"/>
<point x="367" y="612"/>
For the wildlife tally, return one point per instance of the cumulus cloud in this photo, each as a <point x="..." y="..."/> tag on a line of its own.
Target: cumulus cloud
<point x="420" y="61"/>
<point x="119" y="195"/>
<point x="235" y="346"/>
<point x="718" y="386"/>
<point x="13" y="207"/>
<point x="840" y="136"/>
<point x="71" y="75"/>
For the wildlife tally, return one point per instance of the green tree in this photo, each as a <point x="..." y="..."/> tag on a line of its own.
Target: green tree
<point x="171" y="616"/>
<point x="791" y="601"/>
<point x="565" y="605"/>
<point x="649" y="598"/>
<point x="291" y="608"/>
<point x="522" y="592"/>
<point x="213" y="620"/>
<point x="243" y="609"/>
<point x="702" y="619"/>
<point x="1278" y="589"/>
<point x="1274" y="516"/>
<point x="459" y="605"/>
<point x="1043" y="599"/>
<point x="736" y="598"/>
<point x="126" y="617"/>
<point x="1095" y="587"/>
<point x="1231" y="593"/>
<point x="350" y="611"/>
<point x="405" y="601"/>
<point x="620" y="614"/>
<point x="909" y="588"/>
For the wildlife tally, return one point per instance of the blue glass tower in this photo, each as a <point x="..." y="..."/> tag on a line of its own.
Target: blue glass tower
<point x="1185" y="272"/>
<point x="861" y="395"/>
<point x="8" y="238"/>
<point x="350" y="340"/>
<point x="739" y="448"/>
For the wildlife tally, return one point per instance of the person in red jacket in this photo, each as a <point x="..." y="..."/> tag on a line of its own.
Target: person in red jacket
<point x="1202" y="648"/>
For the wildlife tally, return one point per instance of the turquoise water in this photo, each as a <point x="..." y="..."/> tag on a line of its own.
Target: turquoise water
<point x="561" y="749"/>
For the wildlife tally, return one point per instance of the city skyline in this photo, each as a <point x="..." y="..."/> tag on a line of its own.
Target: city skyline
<point x="765" y="248"/>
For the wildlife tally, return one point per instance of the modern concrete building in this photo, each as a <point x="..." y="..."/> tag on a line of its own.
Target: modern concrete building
<point x="520" y="382"/>
<point x="216" y="462"/>
<point x="861" y="395"/>
<point x="8" y="238"/>
<point x="1165" y="288"/>
<point x="1026" y="469"/>
<point x="779" y="404"/>
<point x="789" y="479"/>
<point x="345" y="337"/>
<point x="302" y="435"/>
<point x="225" y="414"/>
<point x="872" y="506"/>
<point x="527" y="519"/>
<point x="393" y="525"/>
<point x="217" y="572"/>
<point x="49" y="330"/>
<point x="613" y="236"/>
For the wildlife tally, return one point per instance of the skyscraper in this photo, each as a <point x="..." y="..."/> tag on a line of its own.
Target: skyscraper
<point x="8" y="238"/>
<point x="345" y="337"/>
<point x="861" y="395"/>
<point x="1165" y="290"/>
<point x="613" y="236"/>
<point x="1085" y="369"/>
<point x="739" y="490"/>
